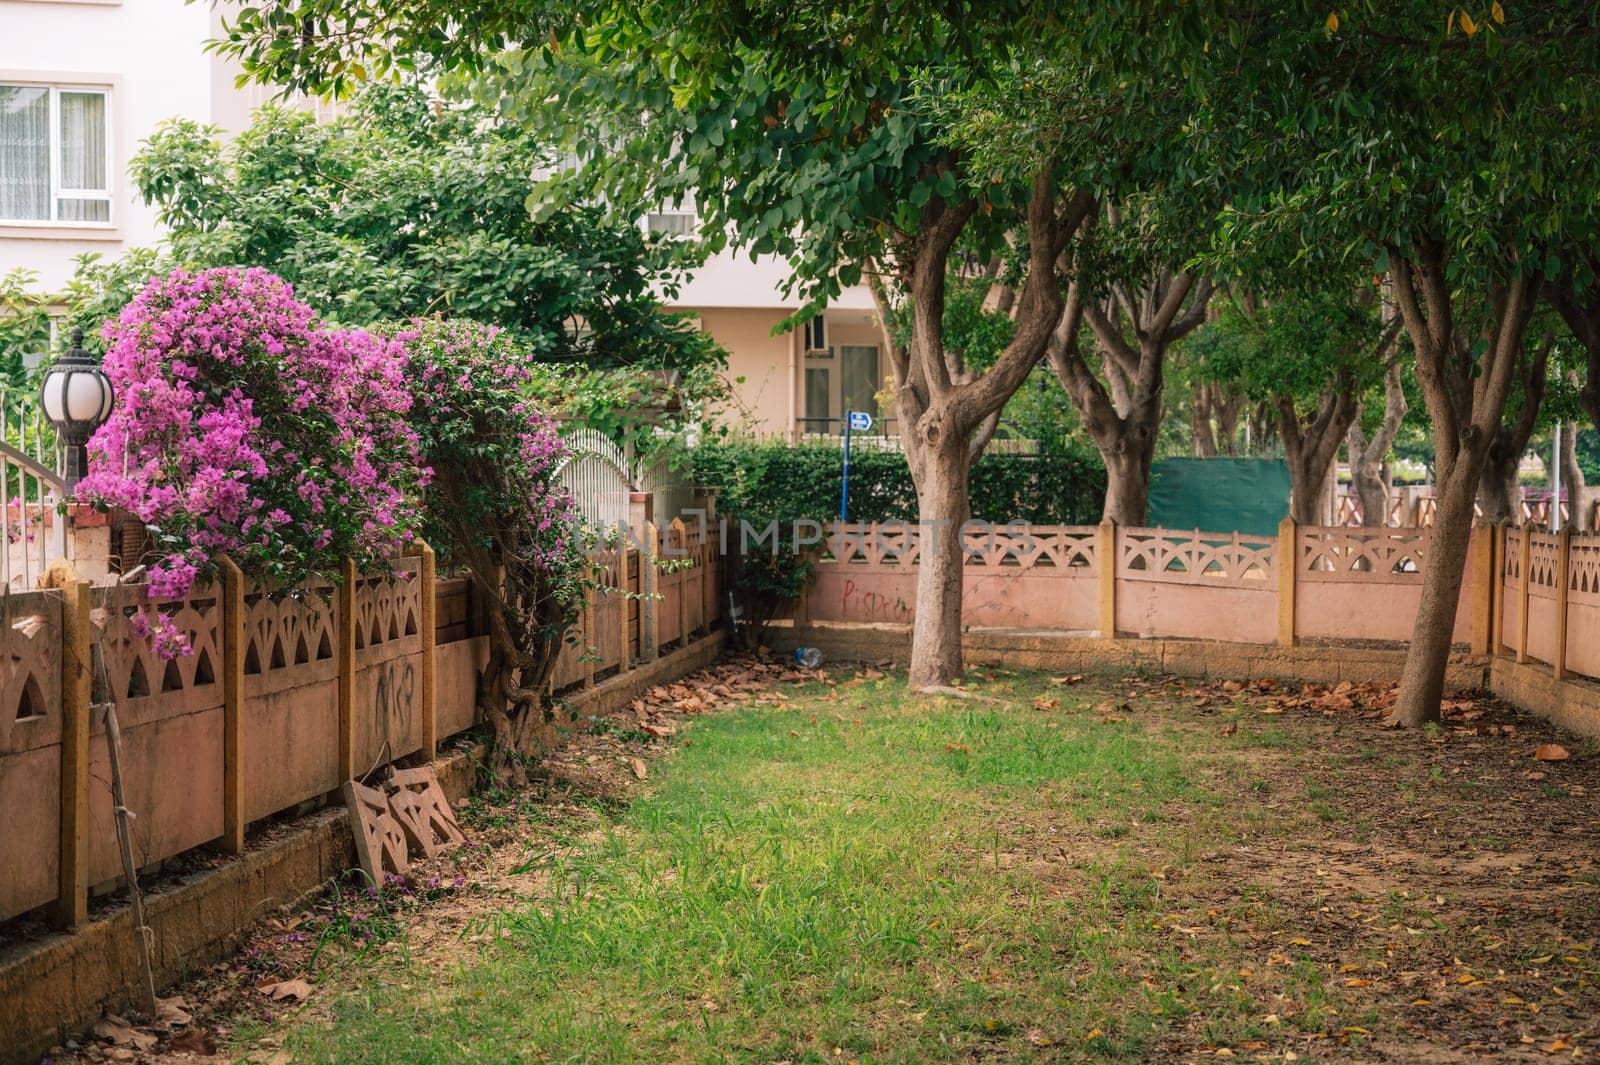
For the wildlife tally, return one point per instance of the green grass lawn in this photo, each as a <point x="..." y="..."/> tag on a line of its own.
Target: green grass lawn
<point x="861" y="875"/>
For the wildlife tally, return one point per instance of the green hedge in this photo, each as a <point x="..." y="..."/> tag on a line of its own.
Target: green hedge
<point x="761" y="481"/>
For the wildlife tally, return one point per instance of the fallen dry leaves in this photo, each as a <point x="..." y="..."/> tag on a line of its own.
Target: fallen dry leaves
<point x="296" y="989"/>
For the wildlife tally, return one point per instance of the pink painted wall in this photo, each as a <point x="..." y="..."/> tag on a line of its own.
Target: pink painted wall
<point x="1041" y="578"/>
<point x="1366" y="584"/>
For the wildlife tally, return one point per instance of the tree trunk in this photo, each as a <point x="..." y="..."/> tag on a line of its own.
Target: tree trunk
<point x="1428" y="657"/>
<point x="1205" y="441"/>
<point x="1312" y="493"/>
<point x="1366" y="478"/>
<point x="1499" y="493"/>
<point x="942" y="508"/>
<point x="1572" y="479"/>
<point x="1226" y="408"/>
<point x="1466" y="398"/>
<point x="1369" y="473"/>
<point x="1311" y="444"/>
<point x="1128" y="485"/>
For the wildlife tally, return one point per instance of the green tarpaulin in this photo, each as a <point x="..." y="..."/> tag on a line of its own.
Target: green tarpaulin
<point x="1220" y="495"/>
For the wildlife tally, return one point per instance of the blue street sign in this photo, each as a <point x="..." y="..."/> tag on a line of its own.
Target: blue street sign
<point x="853" y="420"/>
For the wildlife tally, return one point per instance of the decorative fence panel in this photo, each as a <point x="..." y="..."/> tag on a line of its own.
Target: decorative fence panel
<point x="1041" y="576"/>
<point x="1544" y="551"/>
<point x="609" y="612"/>
<point x="291" y="698"/>
<point x="170" y="713"/>
<point x="1509" y="602"/>
<point x="1213" y="586"/>
<point x="1365" y="584"/>
<point x="30" y="749"/>
<point x="388" y="683"/>
<point x="868" y="573"/>
<point x="1583" y="605"/>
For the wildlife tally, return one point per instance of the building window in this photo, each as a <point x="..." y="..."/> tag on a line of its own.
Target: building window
<point x="858" y="378"/>
<point x="670" y="223"/>
<point x="55" y="146"/>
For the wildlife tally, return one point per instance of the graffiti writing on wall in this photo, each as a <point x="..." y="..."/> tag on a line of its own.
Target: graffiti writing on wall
<point x="394" y="700"/>
<point x="872" y="606"/>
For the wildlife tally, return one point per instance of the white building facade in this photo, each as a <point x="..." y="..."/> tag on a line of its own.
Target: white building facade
<point x="799" y="382"/>
<point x="82" y="84"/>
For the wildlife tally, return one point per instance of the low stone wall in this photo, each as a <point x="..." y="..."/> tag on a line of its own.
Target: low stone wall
<point x="59" y="985"/>
<point x="1064" y="652"/>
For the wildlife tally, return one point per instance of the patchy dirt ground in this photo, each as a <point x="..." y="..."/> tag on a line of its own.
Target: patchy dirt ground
<point x="1446" y="877"/>
<point x="1360" y="894"/>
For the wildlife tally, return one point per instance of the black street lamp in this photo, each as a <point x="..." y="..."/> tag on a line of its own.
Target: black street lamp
<point x="77" y="397"/>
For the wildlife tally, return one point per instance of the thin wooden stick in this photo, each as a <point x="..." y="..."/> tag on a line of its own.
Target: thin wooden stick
<point x="125" y="832"/>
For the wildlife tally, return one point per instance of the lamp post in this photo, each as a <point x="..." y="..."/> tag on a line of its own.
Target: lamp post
<point x="77" y="397"/>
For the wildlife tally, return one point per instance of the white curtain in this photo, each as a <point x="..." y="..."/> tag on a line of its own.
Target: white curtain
<point x="25" y="153"/>
<point x="83" y="156"/>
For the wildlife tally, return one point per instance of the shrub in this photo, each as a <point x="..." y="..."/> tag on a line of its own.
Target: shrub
<point x="760" y="481"/>
<point x="244" y="427"/>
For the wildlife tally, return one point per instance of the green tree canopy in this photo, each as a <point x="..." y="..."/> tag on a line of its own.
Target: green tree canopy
<point x="404" y="206"/>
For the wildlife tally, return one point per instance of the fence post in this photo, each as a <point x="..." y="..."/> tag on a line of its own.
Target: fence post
<point x="681" y="573"/>
<point x="649" y="645"/>
<point x="1563" y="578"/>
<point x="1106" y="556"/>
<point x="347" y="670"/>
<point x="428" y="592"/>
<point x="591" y="598"/>
<point x="708" y="586"/>
<point x="1485" y="575"/>
<point x="1497" y="633"/>
<point x="72" y="898"/>
<point x="622" y="606"/>
<point x="1524" y="557"/>
<point x="233" y="815"/>
<point x="1288" y="575"/>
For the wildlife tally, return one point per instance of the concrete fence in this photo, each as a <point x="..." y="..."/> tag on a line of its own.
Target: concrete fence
<point x="1415" y="505"/>
<point x="1307" y="584"/>
<point x="284" y="697"/>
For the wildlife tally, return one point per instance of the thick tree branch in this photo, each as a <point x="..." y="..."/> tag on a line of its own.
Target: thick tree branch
<point x="1051" y="227"/>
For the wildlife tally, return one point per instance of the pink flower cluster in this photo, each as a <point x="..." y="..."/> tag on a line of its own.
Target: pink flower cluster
<point x="244" y="426"/>
<point x="479" y="414"/>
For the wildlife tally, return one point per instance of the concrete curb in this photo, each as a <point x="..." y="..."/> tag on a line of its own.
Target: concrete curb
<point x="1066" y="651"/>
<point x="1571" y="704"/>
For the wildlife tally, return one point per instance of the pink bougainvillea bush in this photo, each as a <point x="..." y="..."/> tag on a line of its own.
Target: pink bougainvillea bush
<point x="244" y="426"/>
<point x="495" y="506"/>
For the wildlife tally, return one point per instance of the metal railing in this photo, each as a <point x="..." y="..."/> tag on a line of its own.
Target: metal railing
<point x="33" y="494"/>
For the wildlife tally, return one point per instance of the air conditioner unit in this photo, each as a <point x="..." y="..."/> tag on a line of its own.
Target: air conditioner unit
<point x="816" y="335"/>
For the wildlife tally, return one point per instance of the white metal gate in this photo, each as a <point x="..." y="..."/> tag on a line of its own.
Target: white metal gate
<point x="595" y="472"/>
